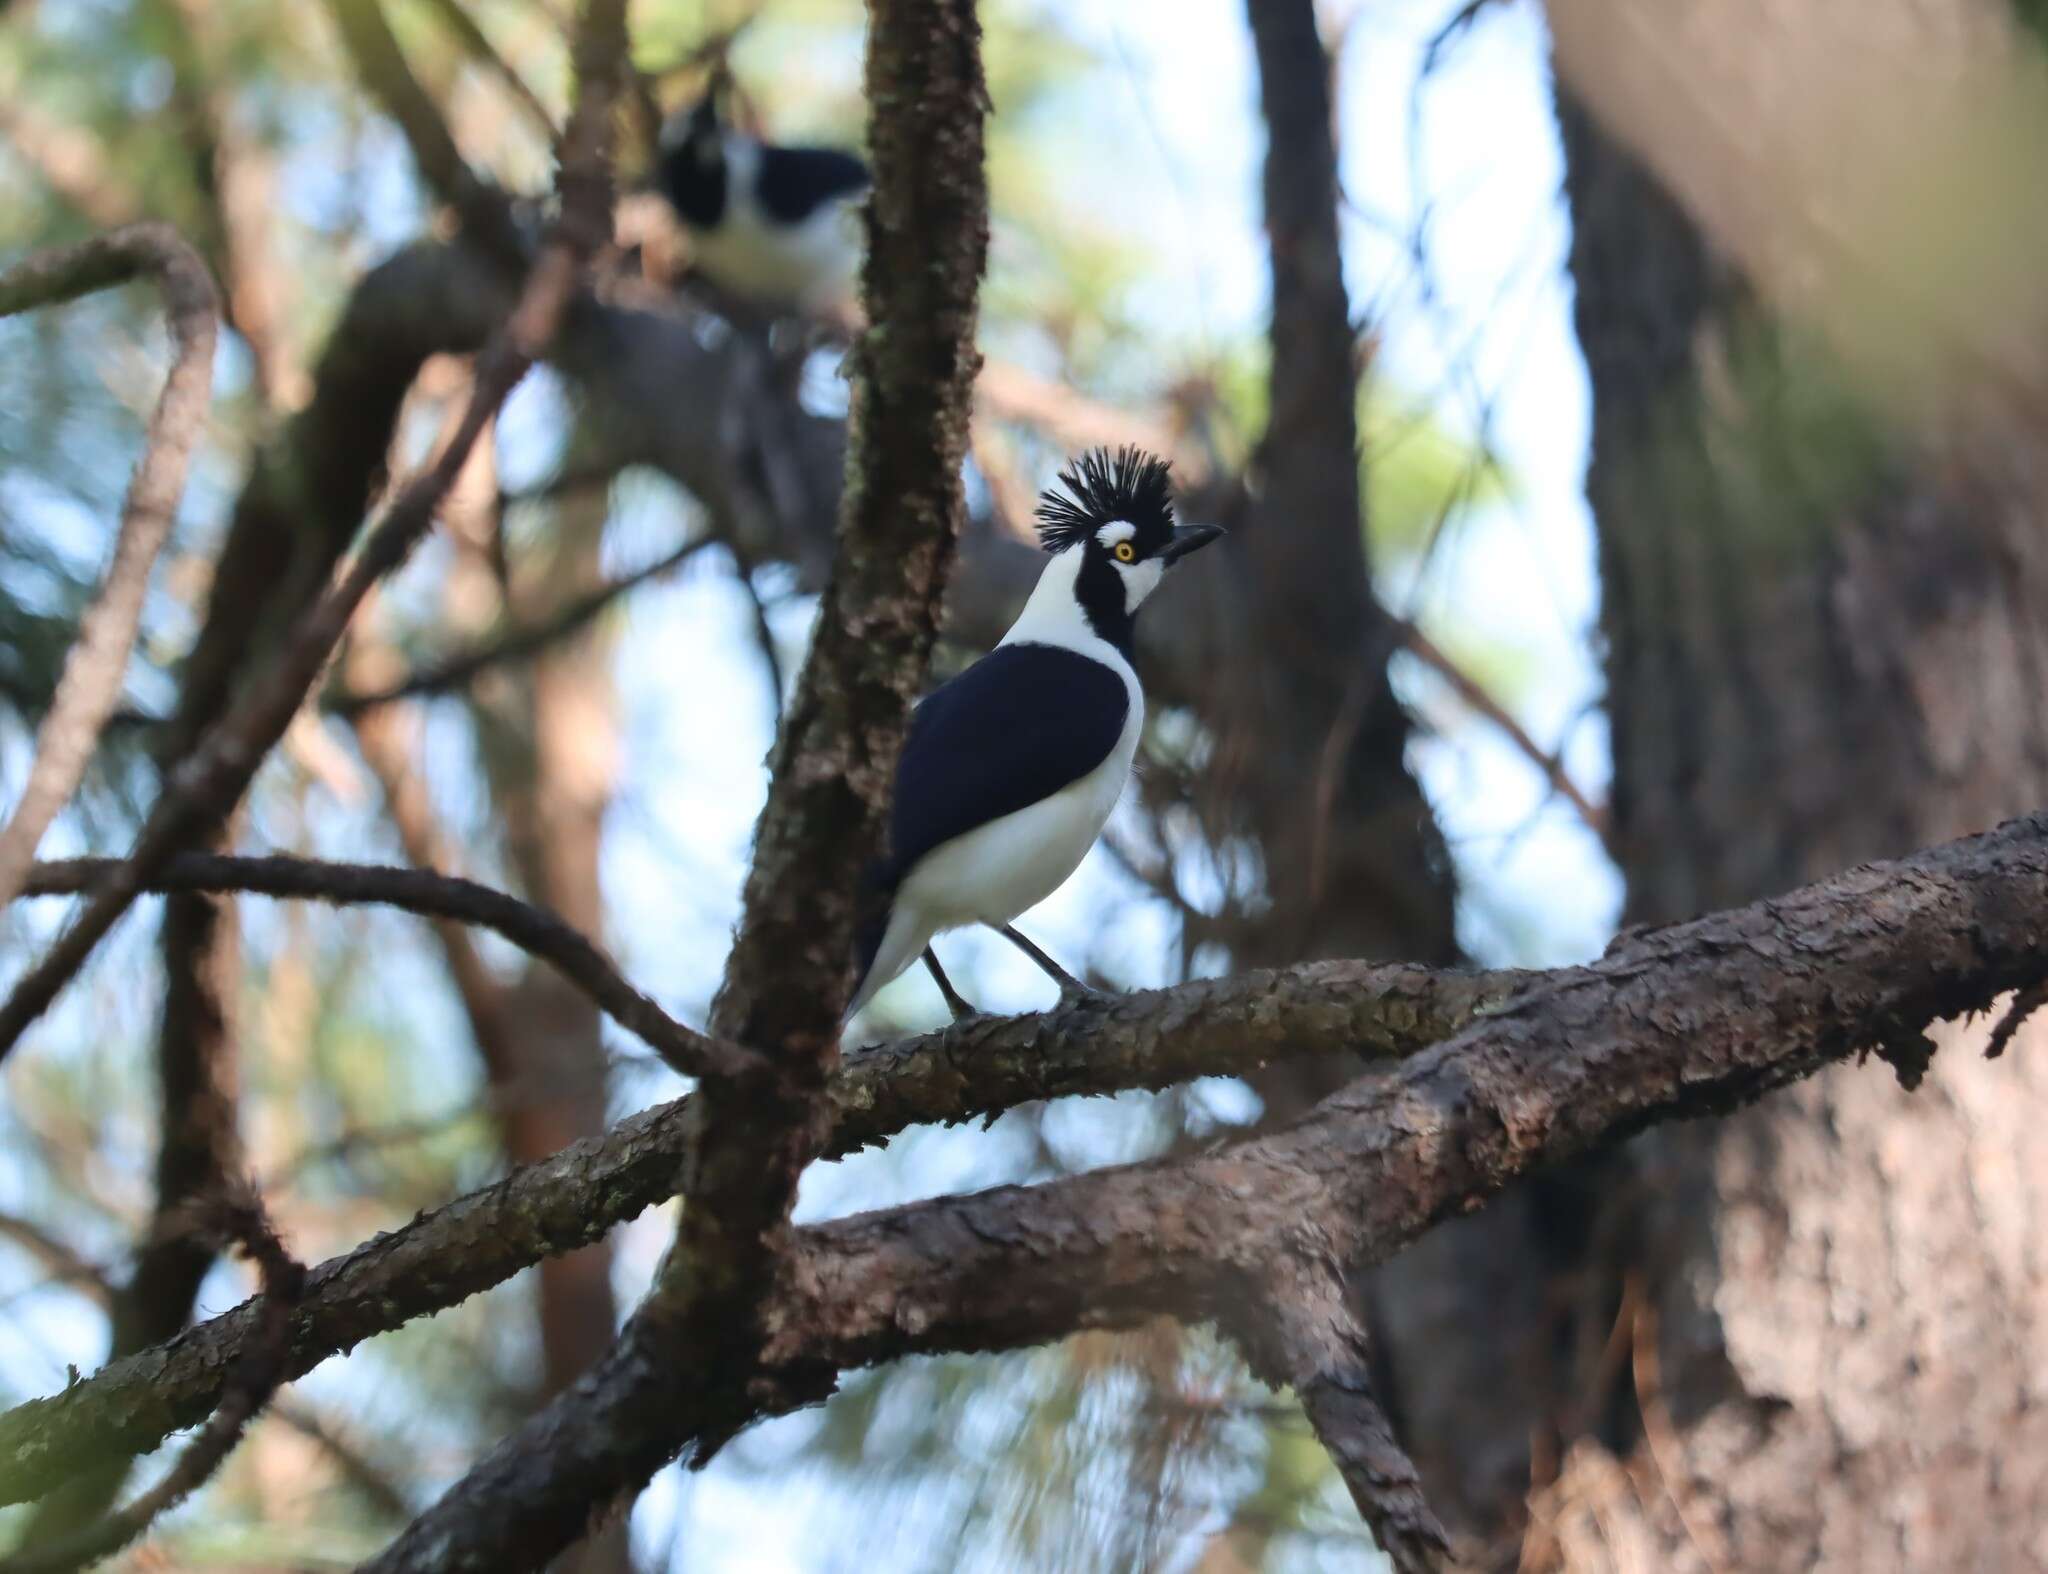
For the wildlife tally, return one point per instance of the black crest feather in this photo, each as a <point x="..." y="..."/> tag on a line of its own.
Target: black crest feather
<point x="1129" y="484"/>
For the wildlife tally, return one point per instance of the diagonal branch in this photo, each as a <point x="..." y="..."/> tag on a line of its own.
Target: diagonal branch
<point x="1468" y="689"/>
<point x="1674" y="1023"/>
<point x="478" y="46"/>
<point x="1307" y="1336"/>
<point x="430" y="895"/>
<point x="202" y="791"/>
<point x="98" y="659"/>
<point x="258" y="1369"/>
<point x="453" y="672"/>
<point x="378" y="60"/>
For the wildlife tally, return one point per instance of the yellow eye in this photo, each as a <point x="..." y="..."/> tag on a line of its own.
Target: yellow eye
<point x="1126" y="553"/>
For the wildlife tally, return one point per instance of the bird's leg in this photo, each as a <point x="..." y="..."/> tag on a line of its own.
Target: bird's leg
<point x="955" y="1001"/>
<point x="1071" y="988"/>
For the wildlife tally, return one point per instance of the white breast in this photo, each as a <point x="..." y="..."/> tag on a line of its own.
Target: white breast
<point x="1008" y="866"/>
<point x="809" y="265"/>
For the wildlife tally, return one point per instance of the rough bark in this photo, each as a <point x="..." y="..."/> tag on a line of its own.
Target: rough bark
<point x="1692" y="1020"/>
<point x="705" y="1319"/>
<point x="972" y="1071"/>
<point x="1807" y="1337"/>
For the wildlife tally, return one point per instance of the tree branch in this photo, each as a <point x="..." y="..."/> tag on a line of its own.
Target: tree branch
<point x="1153" y="1039"/>
<point x="1692" y="1020"/>
<point x="98" y="659"/>
<point x="1307" y="1336"/>
<point x="1673" y="1023"/>
<point x="201" y="792"/>
<point x="1431" y="655"/>
<point x="258" y="1369"/>
<point x="430" y="895"/>
<point x="790" y="969"/>
<point x="65" y="1264"/>
<point x="381" y="64"/>
<point x="452" y="672"/>
<point x="478" y="46"/>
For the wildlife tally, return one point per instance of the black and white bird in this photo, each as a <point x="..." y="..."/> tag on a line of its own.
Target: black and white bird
<point x="774" y="226"/>
<point x="1012" y="768"/>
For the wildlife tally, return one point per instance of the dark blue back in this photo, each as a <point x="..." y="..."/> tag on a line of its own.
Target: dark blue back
<point x="1016" y="727"/>
<point x="795" y="182"/>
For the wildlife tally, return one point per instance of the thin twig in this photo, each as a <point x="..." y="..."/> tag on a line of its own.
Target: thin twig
<point x="1072" y="420"/>
<point x="430" y="895"/>
<point x="477" y="44"/>
<point x="452" y="672"/>
<point x="1431" y="655"/>
<point x="357" y="1468"/>
<point x="201" y="792"/>
<point x="98" y="659"/>
<point x="259" y="1368"/>
<point x="66" y="1265"/>
<point x="381" y="64"/>
<point x="2024" y="1004"/>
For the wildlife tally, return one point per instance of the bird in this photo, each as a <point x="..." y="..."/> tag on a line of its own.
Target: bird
<point x="776" y="227"/>
<point x="1010" y="770"/>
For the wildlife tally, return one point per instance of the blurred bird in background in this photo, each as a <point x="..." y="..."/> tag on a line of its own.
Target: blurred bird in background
<point x="773" y="226"/>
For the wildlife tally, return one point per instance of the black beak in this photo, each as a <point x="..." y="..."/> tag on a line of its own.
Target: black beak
<point x="1186" y="539"/>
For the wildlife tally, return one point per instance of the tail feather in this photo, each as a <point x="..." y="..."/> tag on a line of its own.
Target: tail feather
<point x="902" y="941"/>
<point x="878" y="886"/>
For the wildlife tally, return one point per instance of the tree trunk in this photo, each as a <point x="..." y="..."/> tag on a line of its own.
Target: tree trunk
<point x="1810" y="1336"/>
<point x="1313" y="752"/>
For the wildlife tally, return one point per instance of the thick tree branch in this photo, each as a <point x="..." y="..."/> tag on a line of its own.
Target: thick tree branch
<point x="1673" y="1023"/>
<point x="431" y="895"/>
<point x="789" y="972"/>
<point x="202" y="791"/>
<point x="98" y="659"/>
<point x="1695" y="1019"/>
<point x="1154" y="1039"/>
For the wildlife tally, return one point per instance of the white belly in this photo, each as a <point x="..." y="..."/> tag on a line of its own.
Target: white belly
<point x="996" y="871"/>
<point x="810" y="265"/>
<point x="1007" y="866"/>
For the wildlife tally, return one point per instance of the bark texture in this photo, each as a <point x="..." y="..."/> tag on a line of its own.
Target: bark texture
<point x="1808" y="1337"/>
<point x="1692" y="1020"/>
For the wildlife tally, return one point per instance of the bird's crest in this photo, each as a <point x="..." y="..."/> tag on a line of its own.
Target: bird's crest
<point x="1130" y="484"/>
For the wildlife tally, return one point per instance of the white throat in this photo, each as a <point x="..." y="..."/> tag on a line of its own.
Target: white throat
<point x="1053" y="615"/>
